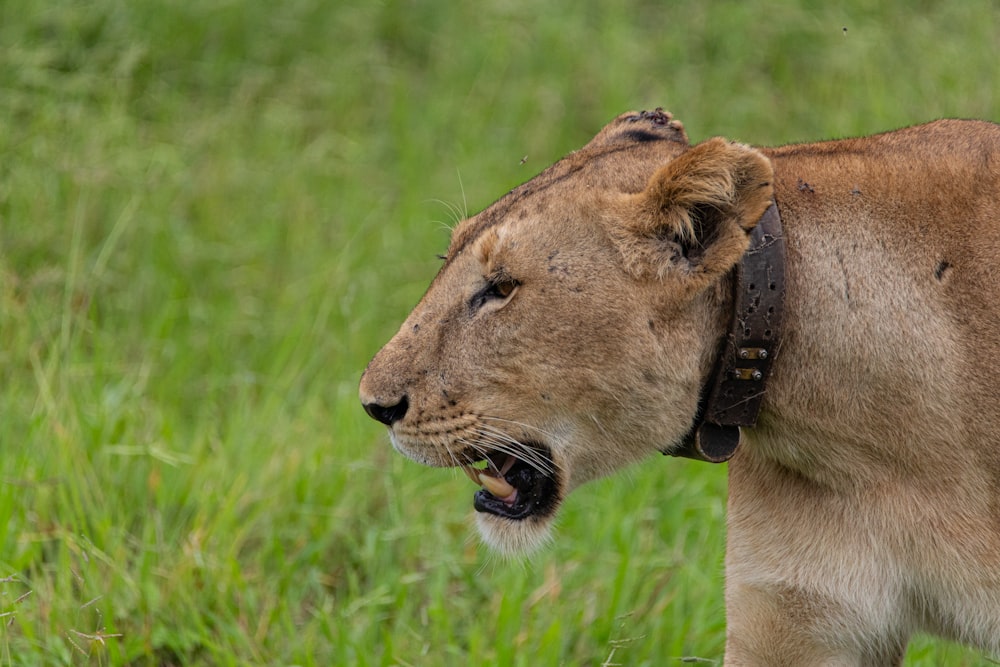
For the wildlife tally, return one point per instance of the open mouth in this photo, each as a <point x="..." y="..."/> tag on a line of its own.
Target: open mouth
<point x="512" y="487"/>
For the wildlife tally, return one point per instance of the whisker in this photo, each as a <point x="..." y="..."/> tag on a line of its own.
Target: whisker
<point x="528" y="427"/>
<point x="476" y="446"/>
<point x="508" y="445"/>
<point x="451" y="454"/>
<point x="454" y="212"/>
<point x="483" y="441"/>
<point x="525" y="452"/>
<point x="486" y="444"/>
<point x="520" y="449"/>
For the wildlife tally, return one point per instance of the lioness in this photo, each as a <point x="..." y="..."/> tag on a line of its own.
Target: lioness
<point x="578" y="323"/>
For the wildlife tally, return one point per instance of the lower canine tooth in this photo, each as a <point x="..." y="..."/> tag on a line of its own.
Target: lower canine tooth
<point x="496" y="485"/>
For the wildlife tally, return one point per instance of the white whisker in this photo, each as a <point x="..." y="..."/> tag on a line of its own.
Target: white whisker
<point x="487" y="443"/>
<point x="527" y="427"/>
<point x="503" y="442"/>
<point x="455" y="211"/>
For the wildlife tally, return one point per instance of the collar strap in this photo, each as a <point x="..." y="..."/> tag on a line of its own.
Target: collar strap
<point x="732" y="397"/>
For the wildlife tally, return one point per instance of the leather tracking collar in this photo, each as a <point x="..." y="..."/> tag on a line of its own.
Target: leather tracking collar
<point x="733" y="395"/>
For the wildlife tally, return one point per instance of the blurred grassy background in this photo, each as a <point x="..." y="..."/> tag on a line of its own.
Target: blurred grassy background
<point x="212" y="214"/>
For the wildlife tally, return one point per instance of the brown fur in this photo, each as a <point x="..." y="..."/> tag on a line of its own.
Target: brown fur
<point x="865" y="506"/>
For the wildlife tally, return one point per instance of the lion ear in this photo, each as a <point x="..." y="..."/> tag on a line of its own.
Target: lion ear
<point x="696" y="212"/>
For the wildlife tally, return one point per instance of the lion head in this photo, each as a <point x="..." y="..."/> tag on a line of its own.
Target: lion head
<point x="574" y="322"/>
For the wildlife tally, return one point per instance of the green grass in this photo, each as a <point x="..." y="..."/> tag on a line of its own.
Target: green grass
<point x="212" y="214"/>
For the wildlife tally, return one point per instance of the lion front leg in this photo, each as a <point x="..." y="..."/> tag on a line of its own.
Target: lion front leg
<point x="809" y="580"/>
<point x="769" y="626"/>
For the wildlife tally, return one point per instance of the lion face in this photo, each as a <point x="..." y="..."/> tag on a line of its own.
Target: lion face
<point x="565" y="335"/>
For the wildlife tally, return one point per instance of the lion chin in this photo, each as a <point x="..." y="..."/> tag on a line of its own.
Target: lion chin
<point x="512" y="538"/>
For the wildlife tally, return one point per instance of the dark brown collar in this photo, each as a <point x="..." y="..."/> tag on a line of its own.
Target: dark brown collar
<point x="732" y="397"/>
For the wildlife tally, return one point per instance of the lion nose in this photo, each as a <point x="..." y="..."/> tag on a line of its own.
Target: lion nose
<point x="387" y="414"/>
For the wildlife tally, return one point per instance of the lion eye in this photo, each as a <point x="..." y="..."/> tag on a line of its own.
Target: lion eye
<point x="496" y="289"/>
<point x="503" y="288"/>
